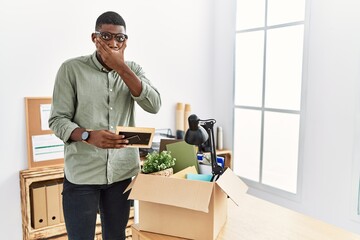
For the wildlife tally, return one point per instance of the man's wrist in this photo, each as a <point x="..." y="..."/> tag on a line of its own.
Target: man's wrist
<point x="85" y="135"/>
<point x="122" y="69"/>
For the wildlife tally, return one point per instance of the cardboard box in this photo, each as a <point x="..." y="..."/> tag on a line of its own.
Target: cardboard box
<point x="185" y="208"/>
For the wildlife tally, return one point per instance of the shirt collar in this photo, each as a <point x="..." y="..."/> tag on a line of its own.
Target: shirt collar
<point x="98" y="64"/>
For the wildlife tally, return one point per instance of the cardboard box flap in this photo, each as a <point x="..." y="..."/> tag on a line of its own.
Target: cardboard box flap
<point x="232" y="185"/>
<point x="130" y="185"/>
<point x="194" y="195"/>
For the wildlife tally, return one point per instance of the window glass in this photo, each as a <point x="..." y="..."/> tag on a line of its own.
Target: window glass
<point x="280" y="154"/>
<point x="285" y="11"/>
<point x="247" y="139"/>
<point x="284" y="67"/>
<point x="249" y="68"/>
<point x="250" y="14"/>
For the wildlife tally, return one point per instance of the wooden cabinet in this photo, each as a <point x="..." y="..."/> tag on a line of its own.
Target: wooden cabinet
<point x="32" y="177"/>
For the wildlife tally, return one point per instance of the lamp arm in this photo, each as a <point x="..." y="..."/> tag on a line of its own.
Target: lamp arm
<point x="213" y="150"/>
<point x="216" y="169"/>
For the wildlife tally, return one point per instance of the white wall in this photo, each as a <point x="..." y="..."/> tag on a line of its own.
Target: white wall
<point x="183" y="43"/>
<point x="331" y="109"/>
<point x="170" y="39"/>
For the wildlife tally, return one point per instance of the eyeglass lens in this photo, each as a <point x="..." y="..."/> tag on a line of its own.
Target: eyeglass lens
<point x="108" y="36"/>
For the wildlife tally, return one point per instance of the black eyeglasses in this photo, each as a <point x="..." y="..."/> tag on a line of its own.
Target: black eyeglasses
<point x="120" y="37"/>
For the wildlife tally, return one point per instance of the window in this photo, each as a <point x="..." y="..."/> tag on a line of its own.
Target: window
<point x="355" y="176"/>
<point x="268" y="80"/>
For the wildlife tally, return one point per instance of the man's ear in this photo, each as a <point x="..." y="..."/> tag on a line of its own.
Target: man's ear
<point x="93" y="36"/>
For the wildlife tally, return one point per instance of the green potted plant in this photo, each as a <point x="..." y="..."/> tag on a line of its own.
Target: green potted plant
<point x="158" y="163"/>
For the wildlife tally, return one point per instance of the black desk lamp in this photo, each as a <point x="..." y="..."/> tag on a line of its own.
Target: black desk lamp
<point x="199" y="132"/>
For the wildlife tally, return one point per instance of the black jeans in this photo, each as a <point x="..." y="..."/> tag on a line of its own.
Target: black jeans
<point x="81" y="203"/>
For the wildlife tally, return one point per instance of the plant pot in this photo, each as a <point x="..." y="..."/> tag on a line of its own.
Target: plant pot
<point x="164" y="173"/>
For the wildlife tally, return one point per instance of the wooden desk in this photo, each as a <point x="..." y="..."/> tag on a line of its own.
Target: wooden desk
<point x="256" y="219"/>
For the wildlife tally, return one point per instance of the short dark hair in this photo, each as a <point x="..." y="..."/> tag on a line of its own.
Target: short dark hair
<point x="109" y="18"/>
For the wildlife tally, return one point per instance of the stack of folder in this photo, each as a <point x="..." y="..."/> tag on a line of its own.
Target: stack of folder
<point x="46" y="203"/>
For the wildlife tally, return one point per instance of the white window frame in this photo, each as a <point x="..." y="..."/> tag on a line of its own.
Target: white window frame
<point x="258" y="187"/>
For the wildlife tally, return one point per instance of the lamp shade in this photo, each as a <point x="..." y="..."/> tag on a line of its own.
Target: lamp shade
<point x="196" y="134"/>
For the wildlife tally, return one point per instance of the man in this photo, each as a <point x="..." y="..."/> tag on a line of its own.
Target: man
<point x="92" y="95"/>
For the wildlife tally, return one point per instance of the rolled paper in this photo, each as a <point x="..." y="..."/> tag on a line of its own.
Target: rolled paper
<point x="187" y="113"/>
<point x="179" y="117"/>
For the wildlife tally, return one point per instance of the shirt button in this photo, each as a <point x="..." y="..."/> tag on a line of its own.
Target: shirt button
<point x="111" y="108"/>
<point x="110" y="89"/>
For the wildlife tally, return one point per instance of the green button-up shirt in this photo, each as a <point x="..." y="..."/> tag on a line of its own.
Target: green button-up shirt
<point x="87" y="95"/>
